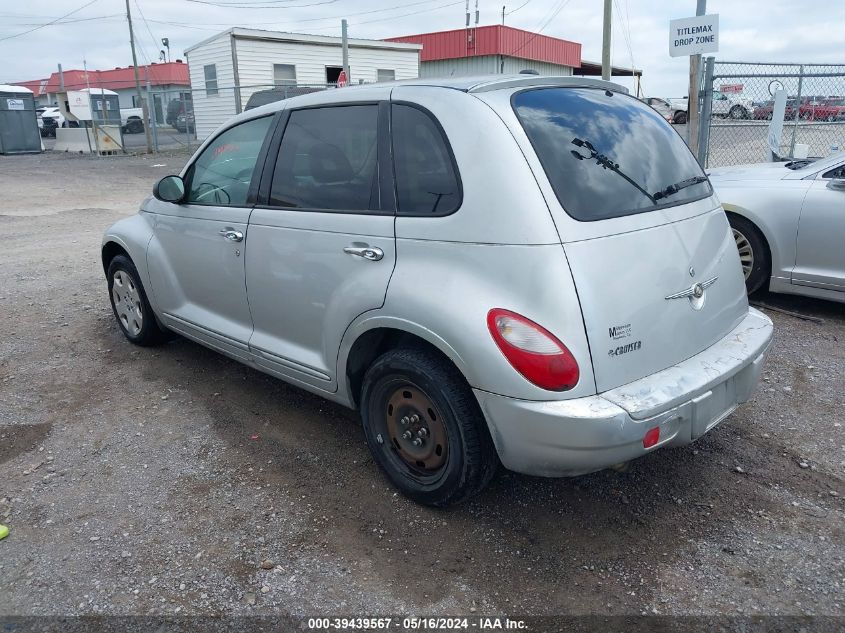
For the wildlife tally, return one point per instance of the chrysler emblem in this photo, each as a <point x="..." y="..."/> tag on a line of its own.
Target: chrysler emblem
<point x="695" y="292"/>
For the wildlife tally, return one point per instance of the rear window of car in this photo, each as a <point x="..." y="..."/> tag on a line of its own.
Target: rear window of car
<point x="607" y="154"/>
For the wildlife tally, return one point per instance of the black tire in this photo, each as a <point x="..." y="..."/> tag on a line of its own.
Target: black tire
<point x="761" y="265"/>
<point x="470" y="459"/>
<point x="150" y="333"/>
<point x="680" y="118"/>
<point x="738" y="112"/>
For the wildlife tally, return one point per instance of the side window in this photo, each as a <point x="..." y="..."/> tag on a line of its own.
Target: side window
<point x="836" y="172"/>
<point x="210" y="73"/>
<point x="426" y="182"/>
<point x="222" y="173"/>
<point x="328" y="160"/>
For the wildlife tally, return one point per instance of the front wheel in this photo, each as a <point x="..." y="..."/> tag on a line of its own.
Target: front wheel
<point x="425" y="428"/>
<point x="738" y="112"/>
<point x="130" y="305"/>
<point x="753" y="255"/>
<point x="680" y="118"/>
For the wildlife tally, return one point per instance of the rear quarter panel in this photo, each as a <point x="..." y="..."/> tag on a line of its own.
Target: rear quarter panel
<point x="442" y="292"/>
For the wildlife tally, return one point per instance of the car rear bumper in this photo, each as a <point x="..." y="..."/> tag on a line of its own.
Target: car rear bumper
<point x="572" y="437"/>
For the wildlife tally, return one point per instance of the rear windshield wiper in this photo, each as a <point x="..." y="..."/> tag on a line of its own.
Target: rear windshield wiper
<point x="673" y="189"/>
<point x="603" y="161"/>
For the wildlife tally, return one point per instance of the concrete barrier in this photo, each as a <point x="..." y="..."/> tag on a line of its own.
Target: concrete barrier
<point x="71" y="139"/>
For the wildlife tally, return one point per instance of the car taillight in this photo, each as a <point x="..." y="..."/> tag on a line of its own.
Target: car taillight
<point x="533" y="351"/>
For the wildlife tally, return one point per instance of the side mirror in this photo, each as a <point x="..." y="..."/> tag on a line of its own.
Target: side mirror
<point x="170" y="189"/>
<point x="836" y="184"/>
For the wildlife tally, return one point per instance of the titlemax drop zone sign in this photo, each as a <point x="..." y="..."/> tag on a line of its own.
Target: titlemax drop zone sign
<point x="694" y="36"/>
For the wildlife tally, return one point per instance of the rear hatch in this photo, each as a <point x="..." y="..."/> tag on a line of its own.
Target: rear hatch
<point x="650" y="250"/>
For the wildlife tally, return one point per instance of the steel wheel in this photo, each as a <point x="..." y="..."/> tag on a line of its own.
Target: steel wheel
<point x="127" y="303"/>
<point x="415" y="430"/>
<point x="746" y="253"/>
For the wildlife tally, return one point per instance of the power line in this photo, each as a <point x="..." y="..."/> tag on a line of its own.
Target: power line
<point x="518" y="8"/>
<point x="404" y="15"/>
<point x="146" y="24"/>
<point x="41" y="26"/>
<point x="73" y="21"/>
<point x="264" y="4"/>
<point x="201" y="25"/>
<point x="538" y="31"/>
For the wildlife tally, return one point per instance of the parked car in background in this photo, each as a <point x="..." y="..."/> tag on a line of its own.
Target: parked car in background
<point x="763" y="111"/>
<point x="673" y="110"/>
<point x="788" y="221"/>
<point x="177" y="107"/>
<point x="824" y="110"/>
<point x="731" y="106"/>
<point x="363" y="245"/>
<point x="184" y="122"/>
<point x="132" y="120"/>
<point x="49" y="118"/>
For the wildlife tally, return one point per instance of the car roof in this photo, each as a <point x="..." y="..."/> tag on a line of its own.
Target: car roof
<point x="469" y="84"/>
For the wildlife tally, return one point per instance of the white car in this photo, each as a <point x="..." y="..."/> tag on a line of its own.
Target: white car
<point x="788" y="220"/>
<point x="54" y="113"/>
<point x="731" y="106"/>
<point x="673" y="110"/>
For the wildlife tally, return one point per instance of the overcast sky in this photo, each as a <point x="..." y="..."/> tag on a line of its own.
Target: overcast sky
<point x="761" y="30"/>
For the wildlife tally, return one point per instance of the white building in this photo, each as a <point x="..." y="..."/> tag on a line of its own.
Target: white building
<point x="227" y="68"/>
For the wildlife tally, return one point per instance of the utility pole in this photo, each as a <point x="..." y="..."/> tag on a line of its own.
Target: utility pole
<point x="605" y="41"/>
<point x="503" y="15"/>
<point x="693" y="121"/>
<point x="344" y="38"/>
<point x="145" y="113"/>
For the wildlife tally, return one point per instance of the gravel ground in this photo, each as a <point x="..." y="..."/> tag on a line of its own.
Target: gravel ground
<point x="173" y="480"/>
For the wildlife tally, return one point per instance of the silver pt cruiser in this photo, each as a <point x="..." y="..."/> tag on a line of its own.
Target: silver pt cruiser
<point x="526" y="270"/>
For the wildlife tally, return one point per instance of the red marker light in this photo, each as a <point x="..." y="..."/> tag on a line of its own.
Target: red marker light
<point x="651" y="437"/>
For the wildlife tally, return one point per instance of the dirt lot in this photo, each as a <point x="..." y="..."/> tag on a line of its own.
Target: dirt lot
<point x="138" y="481"/>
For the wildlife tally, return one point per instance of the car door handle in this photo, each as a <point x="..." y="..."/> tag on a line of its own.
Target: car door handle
<point x="373" y="253"/>
<point x="232" y="235"/>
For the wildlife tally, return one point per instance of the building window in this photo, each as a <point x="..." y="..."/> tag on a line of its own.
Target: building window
<point x="385" y="74"/>
<point x="284" y="75"/>
<point x="210" y="71"/>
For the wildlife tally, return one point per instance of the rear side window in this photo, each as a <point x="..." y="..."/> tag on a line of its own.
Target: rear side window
<point x="328" y="160"/>
<point x="607" y="154"/>
<point x="426" y="180"/>
<point x="222" y="173"/>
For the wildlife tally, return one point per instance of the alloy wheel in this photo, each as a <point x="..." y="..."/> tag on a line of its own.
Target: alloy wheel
<point x="746" y="253"/>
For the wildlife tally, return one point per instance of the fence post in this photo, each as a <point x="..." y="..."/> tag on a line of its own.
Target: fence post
<point x="796" y="111"/>
<point x="706" y="107"/>
<point x="151" y="108"/>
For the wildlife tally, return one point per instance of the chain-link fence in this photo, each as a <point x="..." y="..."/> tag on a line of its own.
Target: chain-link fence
<point x="185" y="117"/>
<point x="742" y="105"/>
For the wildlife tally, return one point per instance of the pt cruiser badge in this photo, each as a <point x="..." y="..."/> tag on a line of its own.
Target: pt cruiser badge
<point x="696" y="291"/>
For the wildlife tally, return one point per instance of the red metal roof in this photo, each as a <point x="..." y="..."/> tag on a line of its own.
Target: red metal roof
<point x="495" y="40"/>
<point x="169" y="73"/>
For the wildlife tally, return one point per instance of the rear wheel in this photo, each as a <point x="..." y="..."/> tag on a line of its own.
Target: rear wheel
<point x="130" y="305"/>
<point x="425" y="429"/>
<point x="753" y="254"/>
<point x="680" y="118"/>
